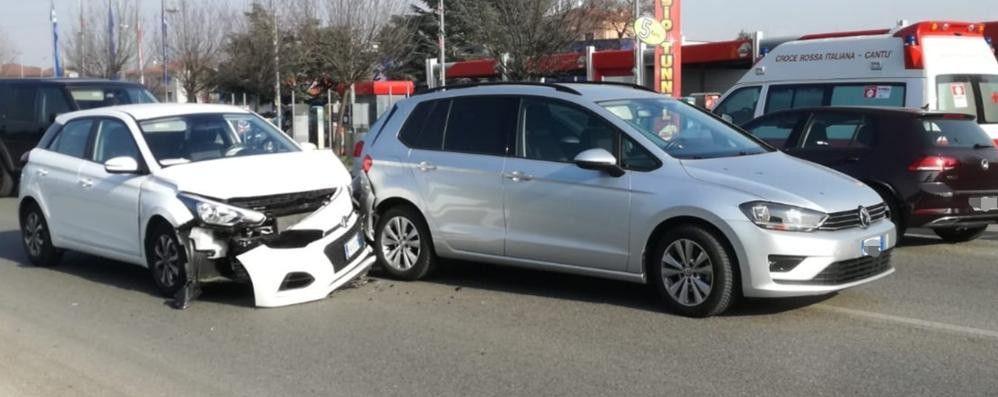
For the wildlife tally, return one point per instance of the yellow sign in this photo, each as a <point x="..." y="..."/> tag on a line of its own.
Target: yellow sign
<point x="650" y="31"/>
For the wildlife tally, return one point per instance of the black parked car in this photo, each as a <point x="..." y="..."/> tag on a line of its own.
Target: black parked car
<point x="934" y="170"/>
<point x="28" y="107"/>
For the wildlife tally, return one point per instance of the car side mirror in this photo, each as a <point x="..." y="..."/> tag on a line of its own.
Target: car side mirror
<point x="307" y="146"/>
<point x="121" y="165"/>
<point x="600" y="160"/>
<point x="727" y="117"/>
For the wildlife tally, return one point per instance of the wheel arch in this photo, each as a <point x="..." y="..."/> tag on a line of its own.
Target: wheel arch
<point x="726" y="237"/>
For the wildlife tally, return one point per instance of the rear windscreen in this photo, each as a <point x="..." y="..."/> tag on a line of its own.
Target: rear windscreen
<point x="89" y="97"/>
<point x="956" y="133"/>
<point x="976" y="95"/>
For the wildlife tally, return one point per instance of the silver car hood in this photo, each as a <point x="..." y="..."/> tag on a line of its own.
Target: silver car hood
<point x="780" y="178"/>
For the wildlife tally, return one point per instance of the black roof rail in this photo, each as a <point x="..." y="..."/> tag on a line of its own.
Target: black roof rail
<point x="617" y="83"/>
<point x="555" y="86"/>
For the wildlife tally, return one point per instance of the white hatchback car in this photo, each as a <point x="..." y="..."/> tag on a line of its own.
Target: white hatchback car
<point x="194" y="193"/>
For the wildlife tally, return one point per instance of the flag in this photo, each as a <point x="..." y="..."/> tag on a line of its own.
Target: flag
<point x="57" y="67"/>
<point x="112" y="54"/>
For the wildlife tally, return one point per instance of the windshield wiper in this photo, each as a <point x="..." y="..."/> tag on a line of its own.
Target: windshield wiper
<point x="982" y="146"/>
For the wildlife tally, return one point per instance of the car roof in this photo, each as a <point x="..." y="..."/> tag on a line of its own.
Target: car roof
<point x="881" y="110"/>
<point x="67" y="81"/>
<point x="594" y="92"/>
<point x="147" y="111"/>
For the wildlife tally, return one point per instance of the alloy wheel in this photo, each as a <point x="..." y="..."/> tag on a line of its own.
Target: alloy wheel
<point x="34" y="234"/>
<point x="687" y="272"/>
<point x="166" y="261"/>
<point x="400" y="243"/>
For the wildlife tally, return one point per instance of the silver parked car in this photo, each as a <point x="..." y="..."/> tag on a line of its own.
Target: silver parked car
<point x="617" y="182"/>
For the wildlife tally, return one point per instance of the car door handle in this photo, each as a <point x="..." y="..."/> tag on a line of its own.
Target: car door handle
<point x="86" y="182"/>
<point x="424" y="166"/>
<point x="41" y="172"/>
<point x="517" y="176"/>
<point x="851" y="159"/>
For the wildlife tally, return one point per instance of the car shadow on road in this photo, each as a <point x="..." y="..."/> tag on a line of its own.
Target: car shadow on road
<point x="118" y="274"/>
<point x="554" y="285"/>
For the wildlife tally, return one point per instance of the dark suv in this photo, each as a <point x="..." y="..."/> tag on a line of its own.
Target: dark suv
<point x="934" y="170"/>
<point x="28" y="107"/>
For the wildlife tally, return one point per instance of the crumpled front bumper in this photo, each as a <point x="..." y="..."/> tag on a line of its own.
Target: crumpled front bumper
<point x="284" y="276"/>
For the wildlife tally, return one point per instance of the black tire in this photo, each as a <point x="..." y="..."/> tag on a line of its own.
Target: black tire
<point x="7" y="184"/>
<point x="397" y="259"/>
<point x="166" y="259"/>
<point x="36" y="239"/>
<point x="894" y="208"/>
<point x="688" y="277"/>
<point x="960" y="234"/>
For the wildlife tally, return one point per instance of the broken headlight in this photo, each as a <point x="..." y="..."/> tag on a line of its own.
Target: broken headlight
<point x="214" y="213"/>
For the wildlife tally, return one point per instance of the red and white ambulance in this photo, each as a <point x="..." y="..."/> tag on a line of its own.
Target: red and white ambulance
<point x="948" y="66"/>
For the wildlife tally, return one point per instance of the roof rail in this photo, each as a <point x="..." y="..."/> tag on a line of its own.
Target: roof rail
<point x="499" y="83"/>
<point x="617" y="83"/>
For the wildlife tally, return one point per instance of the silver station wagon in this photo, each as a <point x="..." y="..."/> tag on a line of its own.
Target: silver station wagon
<point x="612" y="181"/>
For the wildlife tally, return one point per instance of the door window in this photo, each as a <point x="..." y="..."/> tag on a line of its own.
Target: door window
<point x="891" y="95"/>
<point x="740" y="105"/>
<point x="851" y="94"/>
<point x="840" y="130"/>
<point x="556" y="131"/>
<point x="776" y="130"/>
<point x="72" y="139"/>
<point x="114" y="139"/>
<point x="20" y="106"/>
<point x="51" y="102"/>
<point x="481" y="125"/>
<point x="425" y="127"/>
<point x="636" y="158"/>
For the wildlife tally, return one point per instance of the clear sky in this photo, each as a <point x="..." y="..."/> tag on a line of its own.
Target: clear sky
<point x="26" y="24"/>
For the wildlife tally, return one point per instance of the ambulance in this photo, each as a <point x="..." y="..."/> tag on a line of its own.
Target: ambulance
<point x="946" y="66"/>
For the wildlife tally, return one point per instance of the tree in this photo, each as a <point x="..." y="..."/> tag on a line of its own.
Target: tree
<point x="519" y="33"/>
<point x="424" y="18"/>
<point x="195" y="41"/>
<point x="7" y="51"/>
<point x="246" y="64"/>
<point x="102" y="46"/>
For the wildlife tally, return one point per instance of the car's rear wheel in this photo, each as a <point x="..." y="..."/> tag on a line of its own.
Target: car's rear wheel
<point x="693" y="272"/>
<point x="403" y="244"/>
<point x="960" y="234"/>
<point x="36" y="239"/>
<point x="167" y="260"/>
<point x="893" y="210"/>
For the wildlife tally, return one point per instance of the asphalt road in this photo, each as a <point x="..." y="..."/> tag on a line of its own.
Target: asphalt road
<point x="95" y="327"/>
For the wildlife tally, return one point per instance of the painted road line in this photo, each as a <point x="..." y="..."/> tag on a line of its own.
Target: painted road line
<point x="933" y="325"/>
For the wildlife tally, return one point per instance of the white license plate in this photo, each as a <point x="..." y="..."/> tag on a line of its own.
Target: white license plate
<point x="873" y="246"/>
<point x="353" y="245"/>
<point x="984" y="204"/>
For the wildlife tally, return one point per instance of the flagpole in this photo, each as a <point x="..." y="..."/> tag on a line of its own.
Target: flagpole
<point x="56" y="64"/>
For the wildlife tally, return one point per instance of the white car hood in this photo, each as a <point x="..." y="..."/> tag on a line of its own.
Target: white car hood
<point x="780" y="178"/>
<point x="260" y="175"/>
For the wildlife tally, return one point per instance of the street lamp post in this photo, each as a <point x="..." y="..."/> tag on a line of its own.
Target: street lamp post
<point x="277" y="71"/>
<point x="443" y="66"/>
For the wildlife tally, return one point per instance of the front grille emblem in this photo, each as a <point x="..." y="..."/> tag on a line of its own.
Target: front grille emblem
<point x="864" y="217"/>
<point x="985" y="164"/>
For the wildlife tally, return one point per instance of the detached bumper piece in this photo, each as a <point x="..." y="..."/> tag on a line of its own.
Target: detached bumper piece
<point x="310" y="259"/>
<point x="848" y="271"/>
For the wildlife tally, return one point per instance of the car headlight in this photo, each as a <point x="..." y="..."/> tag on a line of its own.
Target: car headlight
<point x="219" y="214"/>
<point x="783" y="217"/>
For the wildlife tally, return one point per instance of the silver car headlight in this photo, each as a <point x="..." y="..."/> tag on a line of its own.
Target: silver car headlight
<point x="219" y="214"/>
<point x="783" y="217"/>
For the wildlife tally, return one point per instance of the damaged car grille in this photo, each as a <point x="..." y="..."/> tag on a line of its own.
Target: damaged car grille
<point x="280" y="205"/>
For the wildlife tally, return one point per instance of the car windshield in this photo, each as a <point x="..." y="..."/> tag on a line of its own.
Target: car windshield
<point x="683" y="131"/>
<point x="89" y="97"/>
<point x="184" y="139"/>
<point x="955" y="133"/>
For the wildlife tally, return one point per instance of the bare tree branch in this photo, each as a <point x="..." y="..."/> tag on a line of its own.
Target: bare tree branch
<point x="7" y="51"/>
<point x="196" y="35"/>
<point x="99" y="48"/>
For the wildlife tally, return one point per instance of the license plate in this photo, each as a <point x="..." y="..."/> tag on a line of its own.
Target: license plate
<point x="984" y="204"/>
<point x="873" y="246"/>
<point x="352" y="246"/>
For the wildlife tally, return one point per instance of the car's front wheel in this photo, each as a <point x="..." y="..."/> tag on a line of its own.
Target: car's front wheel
<point x="36" y="239"/>
<point x="692" y="272"/>
<point x="960" y="234"/>
<point x="167" y="260"/>
<point x="403" y="244"/>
